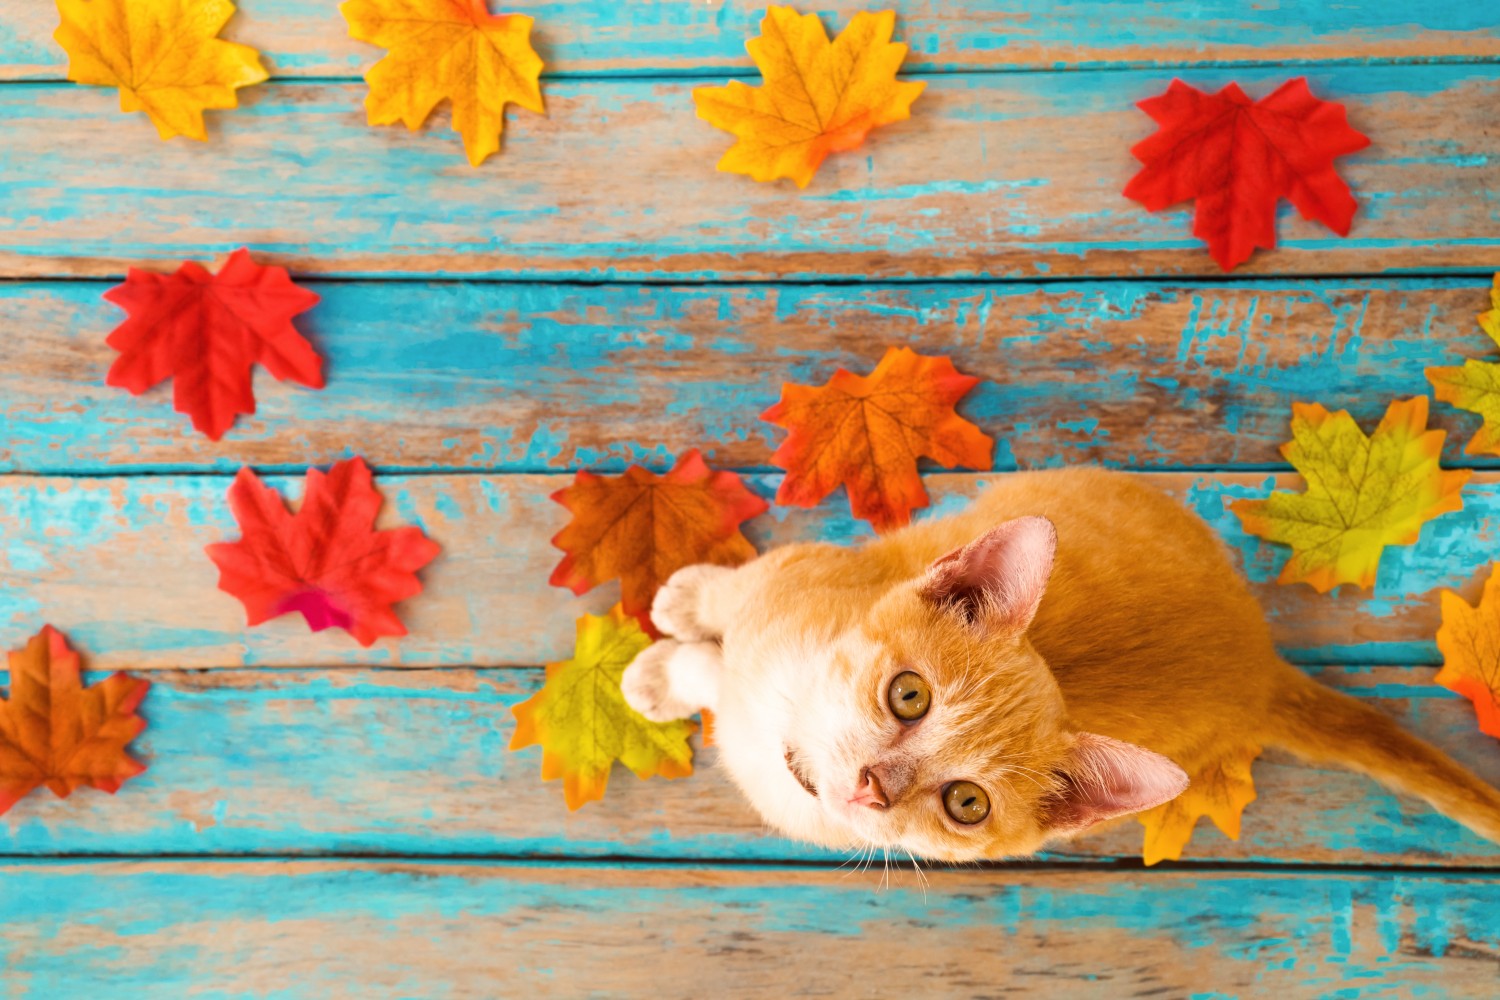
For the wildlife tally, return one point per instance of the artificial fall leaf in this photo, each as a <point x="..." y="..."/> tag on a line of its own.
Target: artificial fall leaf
<point x="58" y="733"/>
<point x="453" y="49"/>
<point x="866" y="432"/>
<point x="1476" y="386"/>
<point x="817" y="97"/>
<point x="1363" y="493"/>
<point x="1237" y="158"/>
<point x="642" y="528"/>
<point x="1220" y="791"/>
<point x="206" y="332"/>
<point x="1469" y="640"/>
<point x="582" y="722"/>
<point x="327" y="561"/>
<point x="163" y="55"/>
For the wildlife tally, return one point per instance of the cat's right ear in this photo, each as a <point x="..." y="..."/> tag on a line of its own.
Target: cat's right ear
<point x="997" y="580"/>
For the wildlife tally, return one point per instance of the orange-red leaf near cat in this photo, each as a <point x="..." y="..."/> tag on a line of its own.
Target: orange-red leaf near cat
<point x="58" y="733"/>
<point x="866" y="432"/>
<point x="642" y="528"/>
<point x="327" y="561"/>
<point x="1470" y="643"/>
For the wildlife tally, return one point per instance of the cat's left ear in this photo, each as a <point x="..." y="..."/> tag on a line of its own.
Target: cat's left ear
<point x="997" y="580"/>
<point x="1104" y="778"/>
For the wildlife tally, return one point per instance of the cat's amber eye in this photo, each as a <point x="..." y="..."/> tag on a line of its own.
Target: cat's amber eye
<point x="966" y="802"/>
<point x="909" y="696"/>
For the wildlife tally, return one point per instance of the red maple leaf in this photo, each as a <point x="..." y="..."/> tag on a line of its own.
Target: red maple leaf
<point x="327" y="561"/>
<point x="1237" y="158"/>
<point x="206" y="332"/>
<point x="642" y="528"/>
<point x="58" y="733"/>
<point x="866" y="432"/>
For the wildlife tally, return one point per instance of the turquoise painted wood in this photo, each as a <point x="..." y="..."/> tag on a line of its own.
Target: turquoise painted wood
<point x="119" y="565"/>
<point x="535" y="378"/>
<point x="300" y="39"/>
<point x="618" y="183"/>
<point x="414" y="763"/>
<point x="358" y="928"/>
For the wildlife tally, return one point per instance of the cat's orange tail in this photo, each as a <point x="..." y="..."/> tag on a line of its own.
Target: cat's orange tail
<point x="1322" y="725"/>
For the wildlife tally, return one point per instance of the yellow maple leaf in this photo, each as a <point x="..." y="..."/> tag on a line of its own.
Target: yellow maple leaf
<point x="817" y="97"/>
<point x="163" y="55"/>
<point x="453" y="49"/>
<point x="1476" y="385"/>
<point x="1469" y="640"/>
<point x="1363" y="493"/>
<point x="1220" y="791"/>
<point x="583" y="724"/>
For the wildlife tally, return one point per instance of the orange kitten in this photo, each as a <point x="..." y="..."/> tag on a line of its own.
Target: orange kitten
<point x="1063" y="653"/>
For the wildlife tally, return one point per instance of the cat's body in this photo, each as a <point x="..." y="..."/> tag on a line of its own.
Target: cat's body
<point x="1038" y="678"/>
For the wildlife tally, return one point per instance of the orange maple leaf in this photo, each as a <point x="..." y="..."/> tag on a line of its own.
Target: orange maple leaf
<point x="866" y="432"/>
<point x="56" y="732"/>
<point x="1469" y="640"/>
<point x="818" y="97"/>
<point x="1220" y="790"/>
<point x="642" y="528"/>
<point x="454" y="49"/>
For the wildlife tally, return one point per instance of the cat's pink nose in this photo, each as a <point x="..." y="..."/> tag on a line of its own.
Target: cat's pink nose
<point x="869" y="793"/>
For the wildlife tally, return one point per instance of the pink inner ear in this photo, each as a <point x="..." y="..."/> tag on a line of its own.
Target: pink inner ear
<point x="318" y="608"/>
<point x="999" y="578"/>
<point x="1108" y="778"/>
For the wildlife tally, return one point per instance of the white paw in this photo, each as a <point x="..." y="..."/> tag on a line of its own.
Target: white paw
<point x="675" y="609"/>
<point x="647" y="684"/>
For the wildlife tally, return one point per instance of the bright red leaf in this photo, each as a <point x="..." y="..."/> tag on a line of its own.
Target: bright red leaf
<point x="206" y="332"/>
<point x="866" y="433"/>
<point x="642" y="528"/>
<point x="1236" y="158"/>
<point x="58" y="733"/>
<point x="327" y="561"/>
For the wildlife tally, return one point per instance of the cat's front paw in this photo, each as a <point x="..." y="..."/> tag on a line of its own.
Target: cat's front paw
<point x="675" y="611"/>
<point x="647" y="684"/>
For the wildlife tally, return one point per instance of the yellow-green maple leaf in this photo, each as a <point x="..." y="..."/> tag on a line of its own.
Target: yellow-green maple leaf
<point x="163" y="55"/>
<point x="583" y="724"/>
<point x="1363" y="493"/>
<point x="1476" y="385"/>
<point x="448" y="49"/>
<point x="817" y="97"/>
<point x="1220" y="791"/>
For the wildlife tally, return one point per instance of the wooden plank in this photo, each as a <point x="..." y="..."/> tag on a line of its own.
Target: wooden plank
<point x="619" y="183"/>
<point x="320" y="929"/>
<point x="119" y="564"/>
<point x="299" y="39"/>
<point x="526" y="378"/>
<point x="414" y="763"/>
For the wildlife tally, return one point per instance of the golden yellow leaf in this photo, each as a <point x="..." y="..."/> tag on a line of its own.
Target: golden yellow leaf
<point x="1363" y="493"/>
<point x="1220" y="791"/>
<point x="583" y="724"/>
<point x="1476" y="385"/>
<point x="453" y="49"/>
<point x="817" y="97"/>
<point x="163" y="55"/>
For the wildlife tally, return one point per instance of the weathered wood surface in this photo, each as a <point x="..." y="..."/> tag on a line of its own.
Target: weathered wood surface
<point x="532" y="378"/>
<point x="618" y="182"/>
<point x="301" y="39"/>
<point x="414" y="763"/>
<point x="322" y="929"/>
<point x="119" y="564"/>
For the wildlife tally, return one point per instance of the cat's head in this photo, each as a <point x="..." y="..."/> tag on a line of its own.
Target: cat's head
<point x="936" y="727"/>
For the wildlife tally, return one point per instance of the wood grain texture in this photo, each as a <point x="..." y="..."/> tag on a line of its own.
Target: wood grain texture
<point x="119" y="565"/>
<point x="414" y="763"/>
<point x="618" y="182"/>
<point x="534" y="378"/>
<point x="322" y="929"/>
<point x="300" y="39"/>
